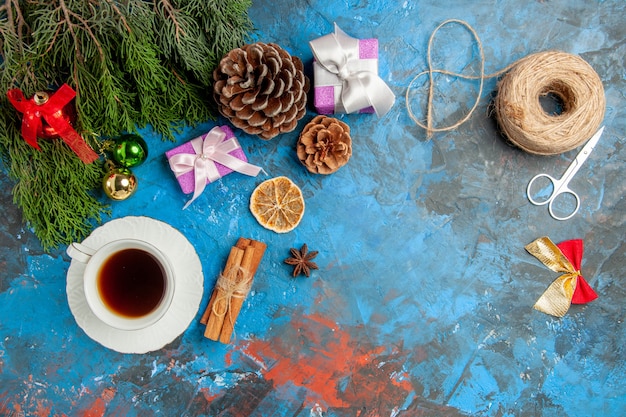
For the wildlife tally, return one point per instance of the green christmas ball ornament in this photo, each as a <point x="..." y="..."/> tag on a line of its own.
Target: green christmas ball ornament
<point x="129" y="150"/>
<point x="119" y="183"/>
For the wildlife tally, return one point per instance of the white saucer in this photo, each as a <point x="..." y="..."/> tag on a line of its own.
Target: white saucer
<point x="187" y="295"/>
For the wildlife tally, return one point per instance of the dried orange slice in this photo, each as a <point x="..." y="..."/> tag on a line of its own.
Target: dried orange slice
<point x="277" y="204"/>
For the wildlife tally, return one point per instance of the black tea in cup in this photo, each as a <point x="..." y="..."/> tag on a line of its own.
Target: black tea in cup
<point x="131" y="283"/>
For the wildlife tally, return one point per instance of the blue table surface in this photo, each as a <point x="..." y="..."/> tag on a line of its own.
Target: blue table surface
<point x="422" y="305"/>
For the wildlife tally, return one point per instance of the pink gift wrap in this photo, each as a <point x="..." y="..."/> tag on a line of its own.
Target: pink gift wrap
<point x="186" y="181"/>
<point x="327" y="86"/>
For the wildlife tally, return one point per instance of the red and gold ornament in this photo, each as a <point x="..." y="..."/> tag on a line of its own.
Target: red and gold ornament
<point x="570" y="288"/>
<point x="49" y="115"/>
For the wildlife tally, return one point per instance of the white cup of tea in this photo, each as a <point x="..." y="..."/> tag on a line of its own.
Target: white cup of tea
<point x="129" y="283"/>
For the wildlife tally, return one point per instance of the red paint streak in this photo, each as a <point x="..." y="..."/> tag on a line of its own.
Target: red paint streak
<point x="99" y="406"/>
<point x="4" y="405"/>
<point x="313" y="352"/>
<point x="228" y="359"/>
<point x="42" y="410"/>
<point x="208" y="396"/>
<point x="108" y="394"/>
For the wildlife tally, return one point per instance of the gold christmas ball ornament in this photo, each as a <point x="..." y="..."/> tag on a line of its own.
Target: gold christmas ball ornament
<point x="119" y="184"/>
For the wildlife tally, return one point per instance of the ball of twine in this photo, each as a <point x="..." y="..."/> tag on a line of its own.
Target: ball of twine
<point x="523" y="119"/>
<point x="518" y="107"/>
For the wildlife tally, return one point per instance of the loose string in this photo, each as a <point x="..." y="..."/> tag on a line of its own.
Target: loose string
<point x="431" y="82"/>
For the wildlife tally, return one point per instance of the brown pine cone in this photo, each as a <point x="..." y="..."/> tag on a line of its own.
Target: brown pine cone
<point x="261" y="89"/>
<point x="324" y="145"/>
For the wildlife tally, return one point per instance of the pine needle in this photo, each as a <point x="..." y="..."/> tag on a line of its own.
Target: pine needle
<point x="133" y="64"/>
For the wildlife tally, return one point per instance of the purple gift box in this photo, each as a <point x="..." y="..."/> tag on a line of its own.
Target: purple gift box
<point x="346" y="80"/>
<point x="328" y="86"/>
<point x="187" y="180"/>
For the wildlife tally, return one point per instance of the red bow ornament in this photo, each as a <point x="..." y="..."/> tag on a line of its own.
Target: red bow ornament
<point x="569" y="288"/>
<point x="49" y="109"/>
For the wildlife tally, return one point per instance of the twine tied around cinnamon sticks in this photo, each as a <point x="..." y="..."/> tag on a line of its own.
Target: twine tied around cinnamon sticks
<point x="235" y="283"/>
<point x="231" y="289"/>
<point x="519" y="112"/>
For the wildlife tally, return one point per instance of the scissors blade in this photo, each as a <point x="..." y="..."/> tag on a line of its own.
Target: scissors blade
<point x="582" y="156"/>
<point x="591" y="143"/>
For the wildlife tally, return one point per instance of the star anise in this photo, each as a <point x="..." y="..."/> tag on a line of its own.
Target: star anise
<point x="302" y="261"/>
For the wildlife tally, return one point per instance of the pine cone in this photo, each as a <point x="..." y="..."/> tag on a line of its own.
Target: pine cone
<point x="324" y="145"/>
<point x="261" y="89"/>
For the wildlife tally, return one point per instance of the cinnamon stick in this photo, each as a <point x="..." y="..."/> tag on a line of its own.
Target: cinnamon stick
<point x="260" y="251"/>
<point x="254" y="251"/>
<point x="229" y="264"/>
<point x="242" y="243"/>
<point x="219" y="299"/>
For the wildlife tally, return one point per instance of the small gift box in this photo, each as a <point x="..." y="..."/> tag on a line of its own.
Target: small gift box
<point x="345" y="76"/>
<point x="208" y="158"/>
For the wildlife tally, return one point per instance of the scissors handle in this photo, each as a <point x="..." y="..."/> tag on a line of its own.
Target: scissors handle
<point x="558" y="188"/>
<point x="565" y="190"/>
<point x="550" y="194"/>
<point x="561" y="186"/>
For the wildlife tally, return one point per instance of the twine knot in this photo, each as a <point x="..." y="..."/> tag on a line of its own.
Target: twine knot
<point x="234" y="283"/>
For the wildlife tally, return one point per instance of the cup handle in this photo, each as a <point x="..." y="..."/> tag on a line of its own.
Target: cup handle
<point x="79" y="252"/>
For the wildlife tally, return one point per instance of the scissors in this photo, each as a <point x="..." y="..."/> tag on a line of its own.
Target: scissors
<point x="561" y="186"/>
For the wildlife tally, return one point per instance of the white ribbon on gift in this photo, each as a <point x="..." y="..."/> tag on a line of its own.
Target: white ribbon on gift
<point x="209" y="149"/>
<point x="338" y="54"/>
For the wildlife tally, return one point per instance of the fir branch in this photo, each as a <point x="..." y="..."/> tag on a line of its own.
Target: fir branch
<point x="10" y="11"/>
<point x="117" y="11"/>
<point x="133" y="63"/>
<point x="165" y="8"/>
<point x="56" y="182"/>
<point x="83" y="25"/>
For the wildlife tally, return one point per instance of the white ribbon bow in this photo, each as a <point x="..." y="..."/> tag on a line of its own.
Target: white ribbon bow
<point x="338" y="54"/>
<point x="209" y="149"/>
